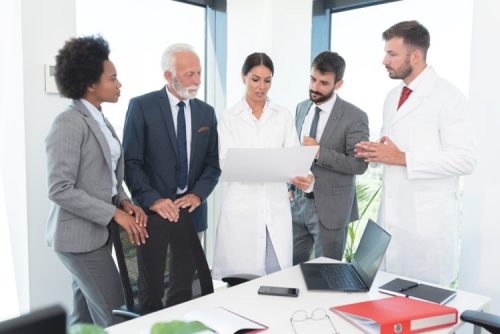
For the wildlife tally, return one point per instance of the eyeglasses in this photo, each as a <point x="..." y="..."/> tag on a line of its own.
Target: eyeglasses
<point x="317" y="314"/>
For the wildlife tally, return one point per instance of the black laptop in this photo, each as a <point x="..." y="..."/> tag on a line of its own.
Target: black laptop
<point x="356" y="276"/>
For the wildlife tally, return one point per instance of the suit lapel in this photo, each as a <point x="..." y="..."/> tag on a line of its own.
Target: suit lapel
<point x="333" y="120"/>
<point x="120" y="165"/>
<point x="94" y="127"/>
<point x="195" y="125"/>
<point x="301" y="116"/>
<point x="166" y="112"/>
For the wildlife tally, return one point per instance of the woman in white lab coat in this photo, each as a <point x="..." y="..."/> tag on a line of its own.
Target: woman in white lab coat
<point x="254" y="234"/>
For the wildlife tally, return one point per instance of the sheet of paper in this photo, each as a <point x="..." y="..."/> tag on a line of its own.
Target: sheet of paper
<point x="222" y="320"/>
<point x="267" y="164"/>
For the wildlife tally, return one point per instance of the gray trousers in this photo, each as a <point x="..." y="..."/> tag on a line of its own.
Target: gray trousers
<point x="96" y="286"/>
<point x="308" y="231"/>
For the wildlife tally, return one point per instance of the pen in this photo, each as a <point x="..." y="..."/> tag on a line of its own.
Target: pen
<point x="414" y="285"/>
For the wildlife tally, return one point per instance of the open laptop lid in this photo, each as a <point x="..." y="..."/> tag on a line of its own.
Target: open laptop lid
<point x="370" y="252"/>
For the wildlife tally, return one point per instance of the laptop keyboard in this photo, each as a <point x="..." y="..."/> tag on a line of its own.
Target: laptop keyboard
<point x="340" y="276"/>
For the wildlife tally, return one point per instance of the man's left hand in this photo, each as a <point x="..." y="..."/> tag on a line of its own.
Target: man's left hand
<point x="384" y="151"/>
<point x="190" y="201"/>
<point x="302" y="182"/>
<point x="310" y="141"/>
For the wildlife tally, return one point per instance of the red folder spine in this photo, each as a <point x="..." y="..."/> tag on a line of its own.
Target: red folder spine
<point x="401" y="327"/>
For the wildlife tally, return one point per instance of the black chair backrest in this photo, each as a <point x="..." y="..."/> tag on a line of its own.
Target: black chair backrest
<point x="126" y="256"/>
<point x="51" y="320"/>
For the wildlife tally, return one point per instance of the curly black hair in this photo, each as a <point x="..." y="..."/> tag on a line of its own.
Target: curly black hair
<point x="79" y="64"/>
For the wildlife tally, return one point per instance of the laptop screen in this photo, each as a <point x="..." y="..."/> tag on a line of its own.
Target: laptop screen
<point x="370" y="252"/>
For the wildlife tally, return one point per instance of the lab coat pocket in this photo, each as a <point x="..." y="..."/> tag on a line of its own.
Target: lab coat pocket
<point x="435" y="213"/>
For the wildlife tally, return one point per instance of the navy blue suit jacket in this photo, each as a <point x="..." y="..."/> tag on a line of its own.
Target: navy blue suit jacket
<point x="150" y="150"/>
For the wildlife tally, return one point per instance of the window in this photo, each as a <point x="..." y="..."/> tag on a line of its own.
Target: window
<point x="138" y="32"/>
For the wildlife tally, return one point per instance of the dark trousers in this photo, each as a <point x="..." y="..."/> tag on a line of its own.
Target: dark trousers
<point x="185" y="258"/>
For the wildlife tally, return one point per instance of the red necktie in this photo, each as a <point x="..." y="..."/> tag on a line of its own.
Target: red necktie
<point x="405" y="93"/>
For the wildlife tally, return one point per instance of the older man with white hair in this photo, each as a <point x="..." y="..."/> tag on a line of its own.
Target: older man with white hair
<point x="171" y="164"/>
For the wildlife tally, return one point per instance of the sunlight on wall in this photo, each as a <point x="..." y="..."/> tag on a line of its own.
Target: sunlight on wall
<point x="9" y="307"/>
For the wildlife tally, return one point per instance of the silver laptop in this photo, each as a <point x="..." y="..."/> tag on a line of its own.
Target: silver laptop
<point x="356" y="276"/>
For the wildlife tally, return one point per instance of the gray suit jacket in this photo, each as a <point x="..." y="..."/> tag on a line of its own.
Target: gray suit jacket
<point x="336" y="167"/>
<point x="80" y="182"/>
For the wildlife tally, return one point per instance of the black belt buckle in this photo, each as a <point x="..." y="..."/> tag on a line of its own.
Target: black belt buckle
<point x="309" y="195"/>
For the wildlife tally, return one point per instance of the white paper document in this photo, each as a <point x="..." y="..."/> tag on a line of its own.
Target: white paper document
<point x="267" y="164"/>
<point x="223" y="321"/>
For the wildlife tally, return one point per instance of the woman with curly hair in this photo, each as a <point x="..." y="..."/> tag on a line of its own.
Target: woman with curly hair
<point x="85" y="174"/>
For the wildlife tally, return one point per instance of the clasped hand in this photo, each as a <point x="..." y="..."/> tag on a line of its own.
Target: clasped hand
<point x="385" y="151"/>
<point x="169" y="209"/>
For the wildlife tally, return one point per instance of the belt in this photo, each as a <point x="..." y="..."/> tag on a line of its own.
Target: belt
<point x="309" y="195"/>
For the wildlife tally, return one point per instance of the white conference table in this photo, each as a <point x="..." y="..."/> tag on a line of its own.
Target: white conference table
<point x="275" y="312"/>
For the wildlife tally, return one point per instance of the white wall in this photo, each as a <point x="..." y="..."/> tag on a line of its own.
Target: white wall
<point x="12" y="156"/>
<point x="45" y="26"/>
<point x="280" y="28"/>
<point x="480" y="265"/>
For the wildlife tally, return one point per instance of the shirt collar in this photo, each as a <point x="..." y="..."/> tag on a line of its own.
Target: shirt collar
<point x="246" y="107"/>
<point x="327" y="105"/>
<point x="173" y="99"/>
<point x="94" y="112"/>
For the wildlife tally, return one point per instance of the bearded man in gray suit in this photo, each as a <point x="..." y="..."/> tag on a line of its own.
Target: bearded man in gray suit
<point x="322" y="213"/>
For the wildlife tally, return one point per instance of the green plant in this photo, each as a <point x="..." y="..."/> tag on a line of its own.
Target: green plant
<point x="179" y="327"/>
<point x="171" y="327"/>
<point x="365" y="201"/>
<point x="86" y="329"/>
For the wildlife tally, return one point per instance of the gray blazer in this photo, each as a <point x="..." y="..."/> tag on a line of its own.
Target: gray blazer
<point x="336" y="167"/>
<point x="80" y="182"/>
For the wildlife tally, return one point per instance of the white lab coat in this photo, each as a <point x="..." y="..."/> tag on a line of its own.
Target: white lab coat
<point x="248" y="208"/>
<point x="419" y="204"/>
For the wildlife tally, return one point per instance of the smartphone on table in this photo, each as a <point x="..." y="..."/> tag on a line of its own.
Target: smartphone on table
<point x="278" y="291"/>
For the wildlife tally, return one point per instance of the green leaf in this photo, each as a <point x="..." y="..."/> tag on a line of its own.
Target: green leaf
<point x="86" y="329"/>
<point x="179" y="327"/>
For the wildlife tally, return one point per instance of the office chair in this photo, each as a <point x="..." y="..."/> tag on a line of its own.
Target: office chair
<point x="126" y="256"/>
<point x="488" y="321"/>
<point x="238" y="279"/>
<point x="50" y="319"/>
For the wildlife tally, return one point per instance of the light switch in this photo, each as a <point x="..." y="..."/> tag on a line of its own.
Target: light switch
<point x="50" y="81"/>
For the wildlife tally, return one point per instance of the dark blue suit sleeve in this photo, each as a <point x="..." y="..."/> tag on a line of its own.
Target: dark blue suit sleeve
<point x="209" y="177"/>
<point x="136" y="177"/>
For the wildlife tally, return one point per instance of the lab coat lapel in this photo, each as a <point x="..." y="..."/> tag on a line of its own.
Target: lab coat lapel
<point x="421" y="92"/>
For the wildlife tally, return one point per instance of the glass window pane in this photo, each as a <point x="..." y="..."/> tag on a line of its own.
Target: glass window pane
<point x="138" y="32"/>
<point x="366" y="80"/>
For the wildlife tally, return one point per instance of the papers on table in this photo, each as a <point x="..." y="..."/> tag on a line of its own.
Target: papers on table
<point x="223" y="321"/>
<point x="267" y="164"/>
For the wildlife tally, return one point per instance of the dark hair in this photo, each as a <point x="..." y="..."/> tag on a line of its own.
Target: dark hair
<point x="256" y="59"/>
<point x="79" y="64"/>
<point x="413" y="34"/>
<point x="328" y="62"/>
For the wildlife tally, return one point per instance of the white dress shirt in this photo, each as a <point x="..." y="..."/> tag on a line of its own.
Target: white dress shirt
<point x="326" y="109"/>
<point x="113" y="143"/>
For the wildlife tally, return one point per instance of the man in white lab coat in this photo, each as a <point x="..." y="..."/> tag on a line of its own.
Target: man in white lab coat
<point x="427" y="143"/>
